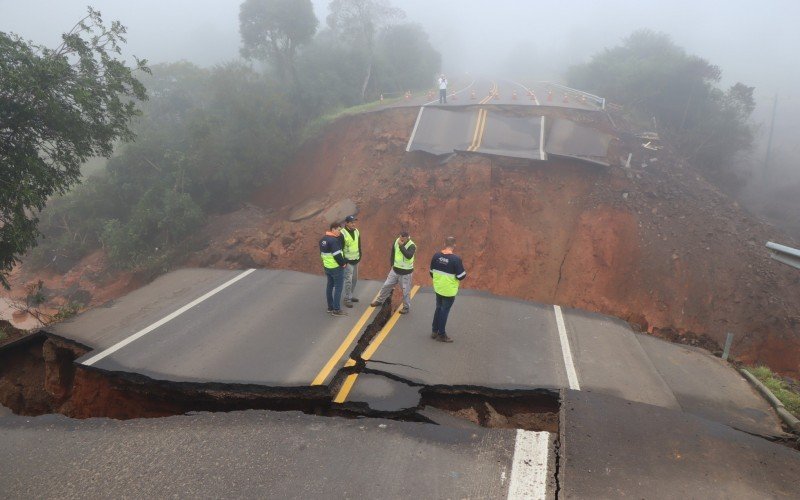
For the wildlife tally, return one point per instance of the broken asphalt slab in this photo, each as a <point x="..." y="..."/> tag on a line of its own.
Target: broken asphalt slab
<point x="257" y="454"/>
<point x="268" y="328"/>
<point x="508" y="345"/>
<point x="612" y="448"/>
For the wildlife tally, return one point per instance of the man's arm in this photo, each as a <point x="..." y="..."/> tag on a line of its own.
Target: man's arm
<point x="338" y="254"/>
<point x="459" y="270"/>
<point x="408" y="252"/>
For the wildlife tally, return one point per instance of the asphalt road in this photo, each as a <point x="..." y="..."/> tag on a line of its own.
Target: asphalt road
<point x="640" y="417"/>
<point x="268" y="328"/>
<point x="488" y="122"/>
<point x="508" y="92"/>
<point x="508" y="344"/>
<point x="258" y="454"/>
<point x="612" y="448"/>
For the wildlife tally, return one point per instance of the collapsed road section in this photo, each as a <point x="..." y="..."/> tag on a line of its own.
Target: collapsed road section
<point x="262" y="339"/>
<point x="42" y="374"/>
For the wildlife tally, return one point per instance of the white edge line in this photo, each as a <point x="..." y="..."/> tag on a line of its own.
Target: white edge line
<point x="572" y="376"/>
<point x="535" y="99"/>
<point x="145" y="331"/>
<point x="529" y="467"/>
<point x="542" y="155"/>
<point x="414" y="132"/>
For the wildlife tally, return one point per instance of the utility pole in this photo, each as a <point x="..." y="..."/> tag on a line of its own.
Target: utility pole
<point x="769" y="139"/>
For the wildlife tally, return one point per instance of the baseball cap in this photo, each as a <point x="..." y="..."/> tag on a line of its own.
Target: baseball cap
<point x="350" y="218"/>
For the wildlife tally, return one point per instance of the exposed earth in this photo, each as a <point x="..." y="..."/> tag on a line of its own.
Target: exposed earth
<point x="657" y="246"/>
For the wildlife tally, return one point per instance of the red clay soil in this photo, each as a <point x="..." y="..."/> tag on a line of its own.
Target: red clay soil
<point x="657" y="246"/>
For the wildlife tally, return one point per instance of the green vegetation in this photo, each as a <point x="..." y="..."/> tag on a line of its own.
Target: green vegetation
<point x="790" y="398"/>
<point x="207" y="138"/>
<point x="654" y="78"/>
<point x="58" y="108"/>
<point x="66" y="312"/>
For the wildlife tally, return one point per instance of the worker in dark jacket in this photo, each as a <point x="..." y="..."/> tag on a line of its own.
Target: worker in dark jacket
<point x="351" y="247"/>
<point x="447" y="271"/>
<point x="333" y="262"/>
<point x="401" y="258"/>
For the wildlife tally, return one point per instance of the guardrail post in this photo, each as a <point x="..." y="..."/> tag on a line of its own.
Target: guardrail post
<point x="727" y="350"/>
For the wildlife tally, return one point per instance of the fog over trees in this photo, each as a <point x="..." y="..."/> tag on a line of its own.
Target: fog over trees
<point x="237" y="85"/>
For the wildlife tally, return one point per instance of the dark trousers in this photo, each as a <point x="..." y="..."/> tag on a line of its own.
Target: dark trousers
<point x="333" y="292"/>
<point x="443" y="305"/>
<point x="442" y="96"/>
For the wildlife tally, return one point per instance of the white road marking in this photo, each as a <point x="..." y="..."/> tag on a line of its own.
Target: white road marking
<point x="542" y="155"/>
<point x="141" y="333"/>
<point x="535" y="99"/>
<point x="529" y="467"/>
<point x="572" y="376"/>
<point x="414" y="132"/>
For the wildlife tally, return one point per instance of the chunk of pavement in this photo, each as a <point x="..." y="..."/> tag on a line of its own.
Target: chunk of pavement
<point x="447" y="419"/>
<point x="340" y="210"/>
<point x="307" y="209"/>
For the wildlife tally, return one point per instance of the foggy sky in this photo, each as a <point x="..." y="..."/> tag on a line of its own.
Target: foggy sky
<point x="755" y="43"/>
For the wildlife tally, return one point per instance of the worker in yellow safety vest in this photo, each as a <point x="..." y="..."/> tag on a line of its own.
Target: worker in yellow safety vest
<point x="351" y="247"/>
<point x="401" y="258"/>
<point x="447" y="271"/>
<point x="333" y="262"/>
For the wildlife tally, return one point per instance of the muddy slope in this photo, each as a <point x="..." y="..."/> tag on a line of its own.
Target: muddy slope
<point x="658" y="246"/>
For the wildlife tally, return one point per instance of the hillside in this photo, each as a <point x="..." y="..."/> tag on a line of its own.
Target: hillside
<point x="657" y="246"/>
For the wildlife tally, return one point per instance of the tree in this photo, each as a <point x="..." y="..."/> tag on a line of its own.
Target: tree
<point x="58" y="107"/>
<point x="357" y="22"/>
<point x="407" y="58"/>
<point x="655" y="78"/>
<point x="272" y="31"/>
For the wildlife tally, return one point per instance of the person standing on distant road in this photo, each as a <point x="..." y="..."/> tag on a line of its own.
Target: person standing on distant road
<point x="447" y="271"/>
<point x="330" y="250"/>
<point x="351" y="247"/>
<point x="442" y="89"/>
<point x="401" y="259"/>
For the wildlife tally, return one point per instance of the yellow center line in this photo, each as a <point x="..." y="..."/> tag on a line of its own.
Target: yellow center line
<point x="477" y="129"/>
<point x="492" y="92"/>
<point x="483" y="127"/>
<point x="326" y="370"/>
<point x="369" y="351"/>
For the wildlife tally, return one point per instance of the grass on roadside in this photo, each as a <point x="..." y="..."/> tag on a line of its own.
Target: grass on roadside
<point x="781" y="390"/>
<point x="317" y="125"/>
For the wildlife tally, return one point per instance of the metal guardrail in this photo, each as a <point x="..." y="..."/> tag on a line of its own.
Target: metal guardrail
<point x="788" y="255"/>
<point x="599" y="100"/>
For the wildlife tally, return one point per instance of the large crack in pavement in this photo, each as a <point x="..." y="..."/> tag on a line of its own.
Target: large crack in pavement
<point x="39" y="375"/>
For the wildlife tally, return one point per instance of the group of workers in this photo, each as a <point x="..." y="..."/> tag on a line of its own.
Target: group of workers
<point x="340" y="250"/>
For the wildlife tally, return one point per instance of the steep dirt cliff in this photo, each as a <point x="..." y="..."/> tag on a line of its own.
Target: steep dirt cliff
<point x="658" y="246"/>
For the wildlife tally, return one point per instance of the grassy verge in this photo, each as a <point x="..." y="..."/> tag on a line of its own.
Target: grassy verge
<point x="318" y="124"/>
<point x="781" y="390"/>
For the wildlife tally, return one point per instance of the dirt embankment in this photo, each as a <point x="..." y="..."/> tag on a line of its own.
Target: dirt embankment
<point x="658" y="246"/>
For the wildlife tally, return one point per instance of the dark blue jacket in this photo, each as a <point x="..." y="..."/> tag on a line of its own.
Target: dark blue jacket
<point x="331" y="244"/>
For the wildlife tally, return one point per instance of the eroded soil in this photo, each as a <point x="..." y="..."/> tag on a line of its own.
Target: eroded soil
<point x="657" y="246"/>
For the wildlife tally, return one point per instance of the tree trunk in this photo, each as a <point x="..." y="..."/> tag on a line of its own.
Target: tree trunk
<point x="366" y="82"/>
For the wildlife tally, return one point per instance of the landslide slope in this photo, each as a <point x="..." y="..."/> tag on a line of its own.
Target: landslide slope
<point x="658" y="246"/>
